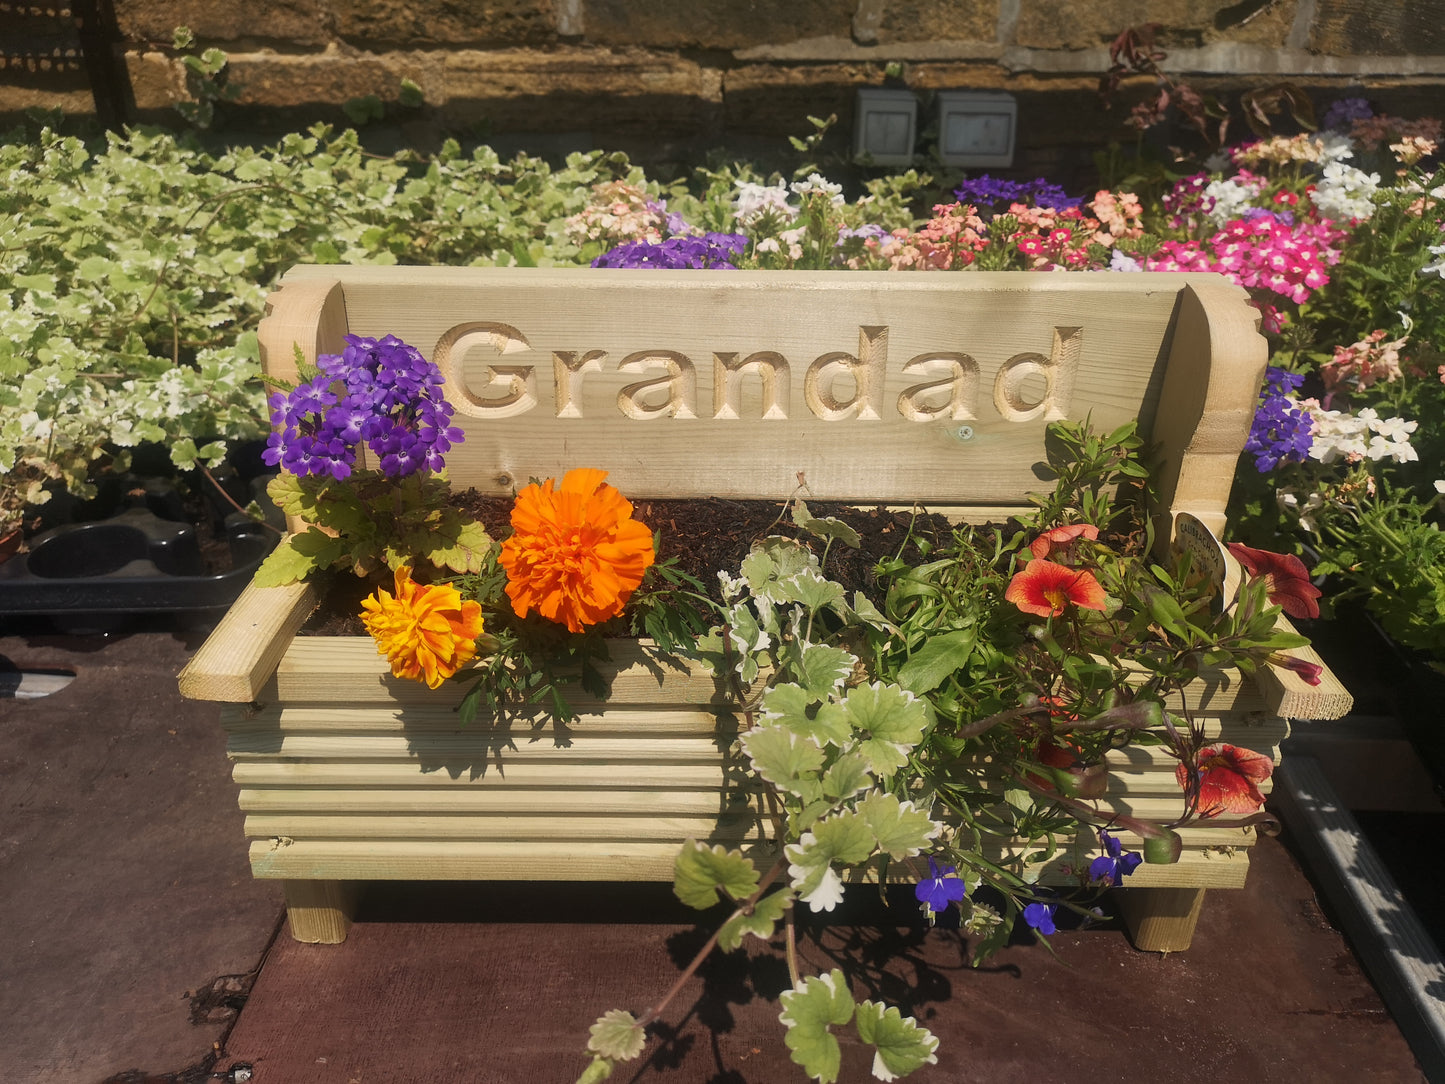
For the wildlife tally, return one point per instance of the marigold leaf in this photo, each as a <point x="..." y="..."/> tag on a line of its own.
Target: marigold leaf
<point x="701" y="872"/>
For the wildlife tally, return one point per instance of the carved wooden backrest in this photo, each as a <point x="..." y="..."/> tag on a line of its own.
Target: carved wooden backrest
<point x="891" y="387"/>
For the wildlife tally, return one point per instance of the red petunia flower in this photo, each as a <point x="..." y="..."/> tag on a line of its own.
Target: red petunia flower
<point x="1059" y="537"/>
<point x="1311" y="672"/>
<point x="1047" y="589"/>
<point x="1229" y="779"/>
<point x="1288" y="580"/>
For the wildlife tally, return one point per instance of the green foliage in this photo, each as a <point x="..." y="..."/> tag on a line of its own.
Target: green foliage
<point x="134" y="270"/>
<point x="371" y="521"/>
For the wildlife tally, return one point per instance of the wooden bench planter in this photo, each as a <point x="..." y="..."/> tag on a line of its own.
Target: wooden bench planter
<point x="877" y="387"/>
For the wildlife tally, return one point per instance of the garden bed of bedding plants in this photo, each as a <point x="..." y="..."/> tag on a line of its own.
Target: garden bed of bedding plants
<point x="134" y="326"/>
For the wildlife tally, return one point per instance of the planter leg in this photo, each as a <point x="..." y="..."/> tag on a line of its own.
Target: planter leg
<point x="1160" y="919"/>
<point x="320" y="911"/>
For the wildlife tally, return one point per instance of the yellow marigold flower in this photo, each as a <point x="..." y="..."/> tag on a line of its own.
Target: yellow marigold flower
<point x="426" y="632"/>
<point x="576" y="554"/>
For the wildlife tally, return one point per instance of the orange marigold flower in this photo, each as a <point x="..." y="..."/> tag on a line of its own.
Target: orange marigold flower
<point x="1229" y="779"/>
<point x="1047" y="589"/>
<point x="576" y="554"/>
<point x="1060" y="537"/>
<point x="426" y="632"/>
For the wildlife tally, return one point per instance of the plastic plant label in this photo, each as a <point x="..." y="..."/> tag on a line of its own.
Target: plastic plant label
<point x="1208" y="558"/>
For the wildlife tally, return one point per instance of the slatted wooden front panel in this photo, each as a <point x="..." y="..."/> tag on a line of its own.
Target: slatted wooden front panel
<point x="383" y="782"/>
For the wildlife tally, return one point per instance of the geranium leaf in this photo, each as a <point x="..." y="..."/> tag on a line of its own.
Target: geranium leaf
<point x="846" y="776"/>
<point x="789" y="705"/>
<point x="821" y="669"/>
<point x="784" y="759"/>
<point x="900" y="828"/>
<point x="844" y="837"/>
<point x="811" y="588"/>
<point x="901" y="1046"/>
<point x="832" y="527"/>
<point x="894" y="721"/>
<point x="701" y="872"/>
<point x="809" y="1011"/>
<point x="617" y="1035"/>
<point x="760" y="923"/>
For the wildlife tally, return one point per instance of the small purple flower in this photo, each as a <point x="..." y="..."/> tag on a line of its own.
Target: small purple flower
<point x="1282" y="431"/>
<point x="1041" y="917"/>
<point x="380" y="392"/>
<point x="940" y="888"/>
<point x="1115" y="863"/>
<point x="1344" y="110"/>
<point x="987" y="191"/>
<point x="710" y="251"/>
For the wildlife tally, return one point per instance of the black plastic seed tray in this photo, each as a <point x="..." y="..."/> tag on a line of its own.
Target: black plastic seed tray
<point x="132" y="562"/>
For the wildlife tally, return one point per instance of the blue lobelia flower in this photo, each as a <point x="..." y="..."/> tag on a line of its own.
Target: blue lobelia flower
<point x="1114" y="864"/>
<point x="940" y="888"/>
<point x="1041" y="917"/>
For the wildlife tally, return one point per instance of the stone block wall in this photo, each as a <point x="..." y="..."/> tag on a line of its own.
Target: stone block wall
<point x="670" y="78"/>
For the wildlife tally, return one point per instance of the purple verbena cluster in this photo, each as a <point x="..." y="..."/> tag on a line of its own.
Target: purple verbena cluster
<point x="1344" y="110"/>
<point x="988" y="191"/>
<point x="711" y="250"/>
<point x="380" y="392"/>
<point x="1281" y="432"/>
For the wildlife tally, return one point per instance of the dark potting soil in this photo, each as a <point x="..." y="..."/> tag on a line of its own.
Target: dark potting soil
<point x="705" y="535"/>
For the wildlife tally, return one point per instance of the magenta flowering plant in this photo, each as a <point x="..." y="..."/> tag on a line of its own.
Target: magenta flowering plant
<point x="378" y="398"/>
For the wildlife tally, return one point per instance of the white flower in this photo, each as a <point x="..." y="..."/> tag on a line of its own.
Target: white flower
<point x="756" y="200"/>
<point x="1393" y="428"/>
<point x="1231" y="198"/>
<point x="1344" y="192"/>
<point x="1120" y="261"/>
<point x="1438" y="267"/>
<point x="1334" y="146"/>
<point x="1399" y="451"/>
<point x="1440" y="485"/>
<point x="1289" y="501"/>
<point x="816" y="182"/>
<point x="767" y="244"/>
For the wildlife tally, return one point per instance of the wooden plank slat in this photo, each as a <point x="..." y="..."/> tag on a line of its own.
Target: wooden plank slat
<point x="606" y="861"/>
<point x="238" y="658"/>
<point x="325" y="670"/>
<point x="637" y="827"/>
